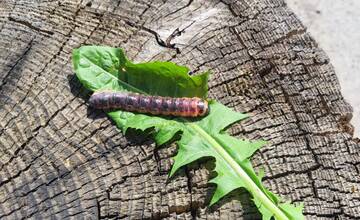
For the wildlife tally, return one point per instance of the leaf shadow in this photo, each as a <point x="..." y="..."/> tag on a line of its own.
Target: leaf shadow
<point x="240" y="195"/>
<point x="248" y="207"/>
<point x="81" y="92"/>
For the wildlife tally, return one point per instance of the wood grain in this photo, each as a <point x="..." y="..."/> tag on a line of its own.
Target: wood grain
<point x="61" y="159"/>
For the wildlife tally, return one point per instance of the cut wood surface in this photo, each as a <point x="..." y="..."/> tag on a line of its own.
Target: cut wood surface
<point x="61" y="159"/>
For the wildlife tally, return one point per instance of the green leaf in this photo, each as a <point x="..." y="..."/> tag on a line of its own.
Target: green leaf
<point x="105" y="68"/>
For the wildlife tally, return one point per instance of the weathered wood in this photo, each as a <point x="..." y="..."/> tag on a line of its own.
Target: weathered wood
<point x="61" y="159"/>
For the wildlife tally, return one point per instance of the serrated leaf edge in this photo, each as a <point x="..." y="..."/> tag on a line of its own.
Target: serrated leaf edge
<point x="250" y="184"/>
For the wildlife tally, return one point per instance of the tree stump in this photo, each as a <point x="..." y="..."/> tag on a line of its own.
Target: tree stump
<point x="62" y="159"/>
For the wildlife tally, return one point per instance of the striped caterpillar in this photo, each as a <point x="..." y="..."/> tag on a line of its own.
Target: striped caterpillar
<point x="156" y="105"/>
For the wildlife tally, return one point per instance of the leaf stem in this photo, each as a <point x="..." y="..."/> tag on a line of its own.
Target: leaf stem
<point x="128" y="86"/>
<point x="251" y="186"/>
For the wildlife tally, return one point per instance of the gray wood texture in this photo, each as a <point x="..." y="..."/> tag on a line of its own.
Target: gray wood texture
<point x="61" y="159"/>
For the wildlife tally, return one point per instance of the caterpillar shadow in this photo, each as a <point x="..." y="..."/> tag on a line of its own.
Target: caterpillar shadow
<point x="133" y="136"/>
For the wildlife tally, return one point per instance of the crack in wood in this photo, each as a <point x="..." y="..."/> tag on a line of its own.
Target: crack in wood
<point x="31" y="26"/>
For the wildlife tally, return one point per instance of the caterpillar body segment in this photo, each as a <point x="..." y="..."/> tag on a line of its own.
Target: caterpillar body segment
<point x="156" y="105"/>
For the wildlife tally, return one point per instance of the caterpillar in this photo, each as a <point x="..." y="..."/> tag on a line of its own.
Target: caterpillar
<point x="156" y="105"/>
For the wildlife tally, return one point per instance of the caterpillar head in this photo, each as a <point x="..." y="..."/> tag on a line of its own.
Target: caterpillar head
<point x="203" y="107"/>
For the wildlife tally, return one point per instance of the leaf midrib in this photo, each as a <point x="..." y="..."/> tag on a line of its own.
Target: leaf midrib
<point x="121" y="82"/>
